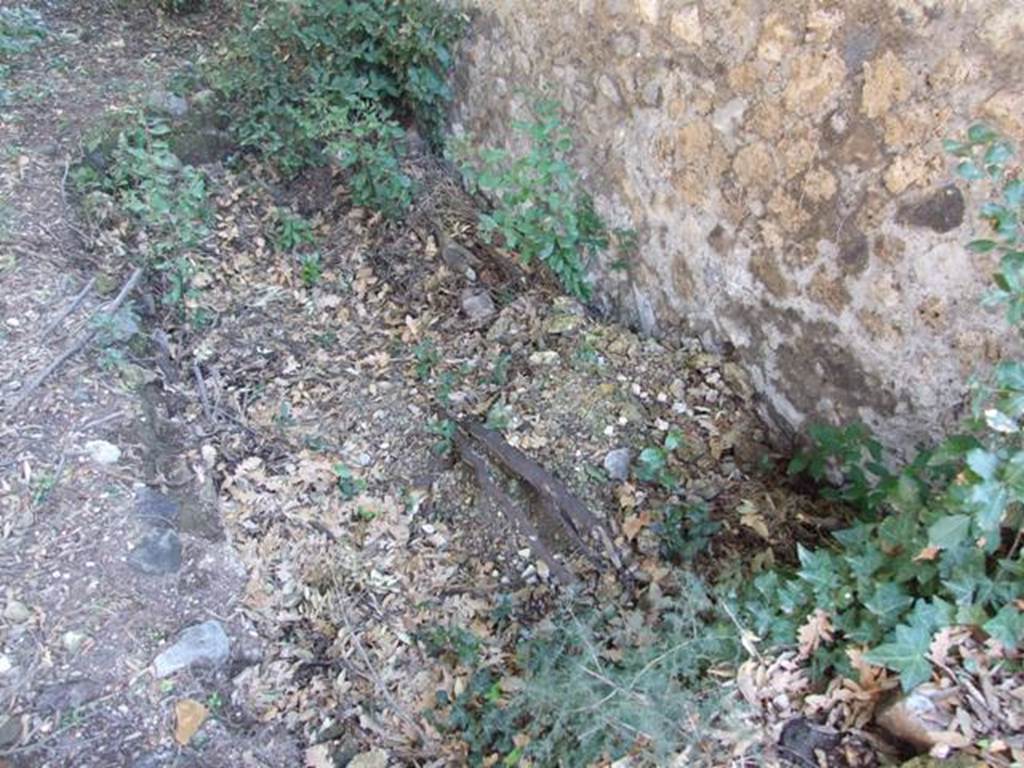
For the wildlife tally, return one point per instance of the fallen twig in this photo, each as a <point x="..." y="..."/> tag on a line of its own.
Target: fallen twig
<point x="69" y="309"/>
<point x="80" y="344"/>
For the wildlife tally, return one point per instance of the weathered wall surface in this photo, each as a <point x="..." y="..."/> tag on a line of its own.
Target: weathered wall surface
<point x="782" y="163"/>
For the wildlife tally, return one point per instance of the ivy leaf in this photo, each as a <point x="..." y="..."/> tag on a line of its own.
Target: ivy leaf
<point x="969" y="171"/>
<point x="1010" y="375"/>
<point x="820" y="571"/>
<point x="888" y="602"/>
<point x="998" y="154"/>
<point x="674" y="440"/>
<point x="999" y="422"/>
<point x="1007" y="626"/>
<point x="989" y="501"/>
<point x="1013" y="193"/>
<point x="907" y="654"/>
<point x="949" y="531"/>
<point x="899" y="530"/>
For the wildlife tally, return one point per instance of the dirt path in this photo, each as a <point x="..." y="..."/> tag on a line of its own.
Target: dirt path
<point x="110" y="544"/>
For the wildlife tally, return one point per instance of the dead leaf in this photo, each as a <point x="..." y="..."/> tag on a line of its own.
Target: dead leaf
<point x="752" y="518"/>
<point x="815" y="631"/>
<point x="189" y="715"/>
<point x="927" y="554"/>
<point x="632" y="525"/>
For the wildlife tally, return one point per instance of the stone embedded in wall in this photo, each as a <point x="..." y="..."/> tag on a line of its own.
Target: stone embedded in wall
<point x="941" y="211"/>
<point x="783" y="165"/>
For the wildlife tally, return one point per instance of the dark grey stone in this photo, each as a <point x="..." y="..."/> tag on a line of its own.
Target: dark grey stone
<point x="167" y="104"/>
<point x="67" y="695"/>
<point x="478" y="305"/>
<point x="158" y="554"/>
<point x="942" y="211"/>
<point x="156" y="509"/>
<point x="10" y="732"/>
<point x="205" y="644"/>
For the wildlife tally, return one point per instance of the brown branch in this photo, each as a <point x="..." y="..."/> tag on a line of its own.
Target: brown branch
<point x="574" y="515"/>
<point x="75" y="303"/>
<point x="82" y="342"/>
<point x="509" y="509"/>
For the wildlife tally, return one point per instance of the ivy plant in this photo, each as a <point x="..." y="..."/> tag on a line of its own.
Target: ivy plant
<point x="938" y="541"/>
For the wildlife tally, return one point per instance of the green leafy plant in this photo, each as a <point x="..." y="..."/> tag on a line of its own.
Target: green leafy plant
<point x="367" y="143"/>
<point x="685" y="531"/>
<point x="21" y="30"/>
<point x="938" y="541"/>
<point x="310" y="77"/>
<point x="427" y="358"/>
<point x="444" y="430"/>
<point x="538" y="209"/>
<point x="652" y="464"/>
<point x="349" y="485"/>
<point x="166" y="200"/>
<point x="291" y="232"/>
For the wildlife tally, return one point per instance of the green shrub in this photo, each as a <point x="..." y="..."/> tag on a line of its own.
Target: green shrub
<point x="167" y="201"/>
<point x="307" y="76"/>
<point x="938" y="541"/>
<point x="367" y="144"/>
<point x="538" y="209"/>
<point x="21" y="29"/>
<point x="601" y="684"/>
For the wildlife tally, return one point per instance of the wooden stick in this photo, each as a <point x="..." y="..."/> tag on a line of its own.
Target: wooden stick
<point x="79" y="298"/>
<point x="574" y="513"/>
<point x="80" y="344"/>
<point x="509" y="509"/>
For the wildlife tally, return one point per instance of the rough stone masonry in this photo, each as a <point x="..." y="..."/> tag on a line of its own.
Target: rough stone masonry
<point x="782" y="163"/>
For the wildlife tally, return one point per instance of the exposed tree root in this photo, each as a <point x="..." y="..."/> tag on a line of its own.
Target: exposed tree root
<point x="482" y="448"/>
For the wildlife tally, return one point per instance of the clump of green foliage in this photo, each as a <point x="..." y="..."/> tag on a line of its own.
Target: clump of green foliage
<point x="310" y="79"/>
<point x="166" y="200"/>
<point x="21" y="30"/>
<point x="652" y="465"/>
<point x="538" y="209"/>
<point x="938" y="542"/>
<point x="598" y="685"/>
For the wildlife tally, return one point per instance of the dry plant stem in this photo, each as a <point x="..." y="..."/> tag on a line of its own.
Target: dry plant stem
<point x="80" y="344"/>
<point x="69" y="309"/>
<point x="509" y="508"/>
<point x="574" y="514"/>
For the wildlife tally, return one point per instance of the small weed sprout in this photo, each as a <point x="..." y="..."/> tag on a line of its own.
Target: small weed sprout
<point x="310" y="269"/>
<point x="349" y="485"/>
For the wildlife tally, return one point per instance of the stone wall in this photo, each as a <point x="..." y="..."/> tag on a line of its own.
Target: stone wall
<point x="782" y="164"/>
